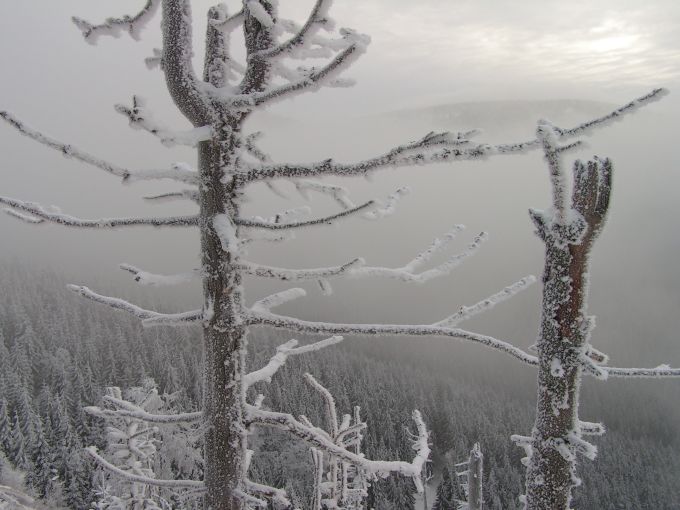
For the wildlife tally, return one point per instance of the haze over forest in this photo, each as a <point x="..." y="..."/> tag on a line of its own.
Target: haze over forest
<point x="66" y="88"/>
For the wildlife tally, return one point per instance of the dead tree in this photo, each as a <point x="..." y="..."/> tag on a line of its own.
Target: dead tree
<point x="568" y="229"/>
<point x="229" y="161"/>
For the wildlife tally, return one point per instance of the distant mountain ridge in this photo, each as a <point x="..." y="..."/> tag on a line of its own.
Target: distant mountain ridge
<point x="496" y="115"/>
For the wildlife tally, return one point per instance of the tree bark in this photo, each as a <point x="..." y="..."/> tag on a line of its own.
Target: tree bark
<point x="564" y="333"/>
<point x="223" y="332"/>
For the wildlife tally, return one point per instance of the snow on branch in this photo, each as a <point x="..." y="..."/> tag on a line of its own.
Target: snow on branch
<point x="177" y="64"/>
<point x="115" y="26"/>
<point x="269" y="302"/>
<point x="311" y="79"/>
<point x="484" y="305"/>
<point x="141" y="118"/>
<point x="319" y="439"/>
<point x="67" y="150"/>
<point x="299" y="274"/>
<point x="329" y="403"/>
<point x="146" y="278"/>
<point x="279" y="359"/>
<point x="660" y="371"/>
<point x="127" y="409"/>
<point x="188" y="194"/>
<point x="39" y="214"/>
<point x="326" y="220"/>
<point x="317" y="18"/>
<point x="179" y="171"/>
<point x="618" y="114"/>
<point x="341" y="196"/>
<point x="455" y="149"/>
<point x="260" y="314"/>
<point x="148" y="317"/>
<point x="174" y="484"/>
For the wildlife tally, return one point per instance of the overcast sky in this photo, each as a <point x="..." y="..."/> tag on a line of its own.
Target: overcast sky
<point x="423" y="52"/>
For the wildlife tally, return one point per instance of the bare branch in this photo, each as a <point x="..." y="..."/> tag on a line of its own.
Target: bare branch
<point x="327" y="220"/>
<point x="148" y="317"/>
<point x="146" y="278"/>
<point x="404" y="155"/>
<point x="299" y="274"/>
<point x="660" y="371"/>
<point x="114" y="26"/>
<point x="178" y="172"/>
<point x="260" y="315"/>
<point x="188" y="194"/>
<point x="466" y="312"/>
<point x="40" y="215"/>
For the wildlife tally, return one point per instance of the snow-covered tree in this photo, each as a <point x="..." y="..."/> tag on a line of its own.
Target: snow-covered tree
<point x="229" y="161"/>
<point x="568" y="229"/>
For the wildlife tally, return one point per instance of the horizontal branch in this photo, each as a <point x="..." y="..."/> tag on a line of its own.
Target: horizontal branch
<point x="661" y="371"/>
<point x="39" y="215"/>
<point x="279" y="359"/>
<point x="148" y="317"/>
<point x="114" y="26"/>
<point x="146" y="278"/>
<point x="327" y="220"/>
<point x="140" y="414"/>
<point x="179" y="172"/>
<point x="173" y="484"/>
<point x="261" y="316"/>
<point x="298" y="274"/>
<point x="454" y="150"/>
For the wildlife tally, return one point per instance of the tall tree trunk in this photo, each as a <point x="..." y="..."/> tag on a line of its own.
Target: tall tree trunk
<point x="562" y="343"/>
<point x="223" y="332"/>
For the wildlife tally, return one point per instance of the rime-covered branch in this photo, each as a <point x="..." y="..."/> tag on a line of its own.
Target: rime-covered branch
<point x="114" y="26"/>
<point x="357" y="269"/>
<point x="660" y="371"/>
<point x="39" y="214"/>
<point x="279" y="359"/>
<point x="467" y="312"/>
<point x="146" y="278"/>
<point x="299" y="274"/>
<point x="127" y="409"/>
<point x="141" y="118"/>
<point x="178" y="172"/>
<point x="176" y="484"/>
<point x="148" y="317"/>
<point x="317" y="17"/>
<point x="456" y="149"/>
<point x="326" y="220"/>
<point x="319" y="439"/>
<point x="260" y="314"/>
<point x="177" y="65"/>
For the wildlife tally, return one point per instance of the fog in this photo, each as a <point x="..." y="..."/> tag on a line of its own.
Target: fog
<point x="58" y="84"/>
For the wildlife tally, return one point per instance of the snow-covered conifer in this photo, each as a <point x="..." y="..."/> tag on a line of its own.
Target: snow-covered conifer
<point x="216" y="103"/>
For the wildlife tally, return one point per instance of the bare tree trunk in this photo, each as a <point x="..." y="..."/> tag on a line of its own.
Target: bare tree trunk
<point x="224" y="337"/>
<point x="563" y="337"/>
<point x="475" y="473"/>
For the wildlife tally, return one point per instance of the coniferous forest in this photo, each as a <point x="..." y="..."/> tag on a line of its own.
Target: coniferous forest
<point x="58" y="354"/>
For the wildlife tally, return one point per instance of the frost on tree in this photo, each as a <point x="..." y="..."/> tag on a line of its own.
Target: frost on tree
<point x="217" y="104"/>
